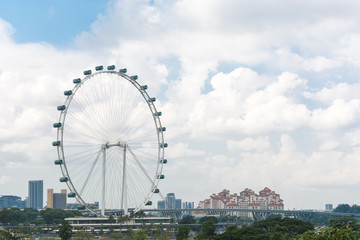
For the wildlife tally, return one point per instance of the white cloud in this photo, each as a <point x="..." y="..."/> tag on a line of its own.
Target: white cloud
<point x="319" y="64"/>
<point x="249" y="144"/>
<point x="182" y="150"/>
<point x="328" y="146"/>
<point x="4" y="179"/>
<point x="352" y="138"/>
<point x="274" y="55"/>
<point x="231" y="109"/>
<point x="342" y="90"/>
<point x="340" y="114"/>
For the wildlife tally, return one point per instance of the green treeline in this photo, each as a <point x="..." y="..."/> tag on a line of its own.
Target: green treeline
<point x="14" y="222"/>
<point x="15" y="216"/>
<point x="285" y="229"/>
<point x="346" y="208"/>
<point x="270" y="228"/>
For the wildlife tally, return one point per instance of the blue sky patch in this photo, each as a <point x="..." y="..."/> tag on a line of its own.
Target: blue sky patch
<point x="56" y="22"/>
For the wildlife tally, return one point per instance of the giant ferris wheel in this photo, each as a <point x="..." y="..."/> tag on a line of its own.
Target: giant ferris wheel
<point x="110" y="142"/>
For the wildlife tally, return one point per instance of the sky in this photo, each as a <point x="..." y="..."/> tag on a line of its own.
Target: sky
<point x="254" y="94"/>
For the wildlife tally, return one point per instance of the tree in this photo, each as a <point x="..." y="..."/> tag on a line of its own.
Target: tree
<point x="187" y="219"/>
<point x="344" y="222"/>
<point x="291" y="226"/>
<point x="243" y="233"/>
<point x="82" y="235"/>
<point x="65" y="230"/>
<point x="132" y="214"/>
<point x="229" y="234"/>
<point x="140" y="234"/>
<point x="320" y="220"/>
<point x="207" y="230"/>
<point x="111" y="219"/>
<point x="268" y="229"/>
<point x="16" y="216"/>
<point x="101" y="232"/>
<point x="56" y="215"/>
<point x="330" y="233"/>
<point x="31" y="214"/>
<point x="183" y="233"/>
<point x="4" y="215"/>
<point x="12" y="234"/>
<point x="344" y="208"/>
<point x="115" y="236"/>
<point x="123" y="218"/>
<point x="252" y="233"/>
<point x="207" y="218"/>
<point x="140" y="214"/>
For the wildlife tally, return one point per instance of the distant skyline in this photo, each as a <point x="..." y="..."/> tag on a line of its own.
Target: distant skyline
<point x="253" y="93"/>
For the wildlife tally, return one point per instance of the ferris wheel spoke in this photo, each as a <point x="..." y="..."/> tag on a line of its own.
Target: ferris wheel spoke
<point x="90" y="172"/>
<point x="141" y="135"/>
<point x="140" y="166"/>
<point x="88" y="132"/>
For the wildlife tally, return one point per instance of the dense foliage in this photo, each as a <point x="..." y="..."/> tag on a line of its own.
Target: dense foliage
<point x="183" y="233"/>
<point x="15" y="216"/>
<point x="270" y="228"/>
<point x="12" y="234"/>
<point x="208" y="218"/>
<point x="65" y="230"/>
<point x="188" y="219"/>
<point x="330" y="233"/>
<point x="31" y="221"/>
<point x="346" y="208"/>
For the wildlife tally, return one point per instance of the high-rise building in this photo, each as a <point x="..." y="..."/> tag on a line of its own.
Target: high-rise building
<point x="161" y="204"/>
<point x="186" y="205"/>
<point x="170" y="201"/>
<point x="50" y="198"/>
<point x="56" y="200"/>
<point x="329" y="207"/>
<point x="177" y="203"/>
<point x="60" y="200"/>
<point x="64" y="191"/>
<point x="9" y="201"/>
<point x="36" y="194"/>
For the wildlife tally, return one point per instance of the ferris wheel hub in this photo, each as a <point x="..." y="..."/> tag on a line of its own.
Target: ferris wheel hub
<point x="118" y="144"/>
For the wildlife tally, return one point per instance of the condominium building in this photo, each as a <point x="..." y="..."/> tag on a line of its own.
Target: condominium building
<point x="247" y="199"/>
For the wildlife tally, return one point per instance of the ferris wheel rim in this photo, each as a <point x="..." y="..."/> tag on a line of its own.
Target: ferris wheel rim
<point x="157" y="123"/>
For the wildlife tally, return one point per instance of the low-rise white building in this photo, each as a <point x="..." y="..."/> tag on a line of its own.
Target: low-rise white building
<point x="97" y="224"/>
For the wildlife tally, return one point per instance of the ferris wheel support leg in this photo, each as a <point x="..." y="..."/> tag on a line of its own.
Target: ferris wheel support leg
<point x="124" y="190"/>
<point x="103" y="182"/>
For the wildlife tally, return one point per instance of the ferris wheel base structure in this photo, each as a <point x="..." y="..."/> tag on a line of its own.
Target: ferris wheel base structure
<point x="110" y="142"/>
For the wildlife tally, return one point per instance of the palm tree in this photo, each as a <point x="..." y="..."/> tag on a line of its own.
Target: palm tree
<point x="65" y="230"/>
<point x="141" y="214"/>
<point x="123" y="218"/>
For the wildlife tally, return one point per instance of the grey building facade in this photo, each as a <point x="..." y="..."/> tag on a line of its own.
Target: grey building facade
<point x="59" y="200"/>
<point x="36" y="190"/>
<point x="10" y="201"/>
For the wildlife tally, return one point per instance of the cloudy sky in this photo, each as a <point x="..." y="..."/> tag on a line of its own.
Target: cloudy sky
<point x="253" y="93"/>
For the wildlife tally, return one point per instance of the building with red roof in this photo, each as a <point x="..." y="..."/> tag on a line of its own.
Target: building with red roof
<point x="247" y="199"/>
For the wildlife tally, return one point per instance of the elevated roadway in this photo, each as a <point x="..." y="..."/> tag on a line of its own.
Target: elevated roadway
<point x="257" y="214"/>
